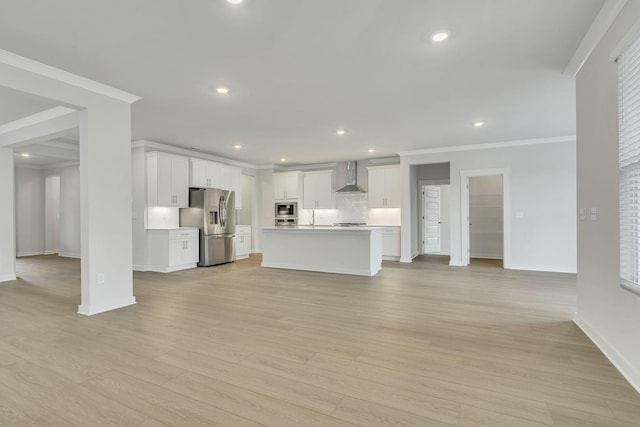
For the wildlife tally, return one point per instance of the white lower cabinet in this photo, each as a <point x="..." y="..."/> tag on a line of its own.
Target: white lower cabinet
<point x="391" y="243"/>
<point x="173" y="249"/>
<point x="243" y="241"/>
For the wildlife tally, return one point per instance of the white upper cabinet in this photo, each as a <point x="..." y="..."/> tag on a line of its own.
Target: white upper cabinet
<point x="167" y="180"/>
<point x="207" y="174"/>
<point x="319" y="190"/>
<point x="384" y="186"/>
<point x="204" y="174"/>
<point x="286" y="185"/>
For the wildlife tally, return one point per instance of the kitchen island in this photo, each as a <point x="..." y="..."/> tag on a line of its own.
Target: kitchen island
<point x="343" y="250"/>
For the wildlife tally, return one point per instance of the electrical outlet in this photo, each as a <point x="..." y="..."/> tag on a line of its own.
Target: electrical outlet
<point x="100" y="278"/>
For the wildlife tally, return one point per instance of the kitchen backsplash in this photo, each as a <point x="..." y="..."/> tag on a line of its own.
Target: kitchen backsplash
<point x="163" y="217"/>
<point x="351" y="207"/>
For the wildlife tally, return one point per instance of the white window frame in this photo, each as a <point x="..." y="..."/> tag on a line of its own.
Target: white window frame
<point x="629" y="164"/>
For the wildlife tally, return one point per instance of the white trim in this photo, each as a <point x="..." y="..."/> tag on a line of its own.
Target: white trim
<point x="189" y="153"/>
<point x="61" y="165"/>
<point x="30" y="253"/>
<point x="464" y="213"/>
<point x="601" y="24"/>
<point x="7" y="277"/>
<point x="97" y="309"/>
<point x="137" y="267"/>
<point x="53" y="73"/>
<point x="544" y="268"/>
<point x="489" y="145"/>
<point x="385" y="160"/>
<point x="624" y="366"/>
<point x="453" y="263"/>
<point x="69" y="255"/>
<point x="34" y="119"/>
<point x="624" y="42"/>
<point x="630" y="287"/>
<point x="51" y="252"/>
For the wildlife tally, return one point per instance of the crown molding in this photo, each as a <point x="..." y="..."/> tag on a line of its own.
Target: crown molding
<point x="601" y="24"/>
<point x="385" y="160"/>
<point x="49" y="166"/>
<point x="189" y="153"/>
<point x="48" y="71"/>
<point x="490" y="145"/>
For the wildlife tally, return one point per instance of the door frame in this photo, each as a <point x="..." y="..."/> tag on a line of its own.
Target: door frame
<point x="464" y="213"/>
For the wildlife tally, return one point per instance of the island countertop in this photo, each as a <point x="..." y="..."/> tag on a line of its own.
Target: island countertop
<point x="324" y="228"/>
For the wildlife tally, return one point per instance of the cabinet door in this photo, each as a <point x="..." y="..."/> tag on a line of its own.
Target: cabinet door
<point x="286" y="185"/>
<point x="165" y="181"/>
<point x="226" y="178"/>
<point x="191" y="251"/>
<point x="392" y="187"/>
<point x="310" y="185"/>
<point x="391" y="243"/>
<point x="198" y="174"/>
<point x="376" y="189"/>
<point x="180" y="181"/>
<point x="324" y="191"/>
<point x="176" y="252"/>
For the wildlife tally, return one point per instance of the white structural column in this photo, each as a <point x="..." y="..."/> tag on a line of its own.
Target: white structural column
<point x="105" y="207"/>
<point x="405" y="213"/>
<point x="105" y="176"/>
<point x="7" y="216"/>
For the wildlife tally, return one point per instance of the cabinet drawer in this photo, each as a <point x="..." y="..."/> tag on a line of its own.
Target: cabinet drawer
<point x="183" y="234"/>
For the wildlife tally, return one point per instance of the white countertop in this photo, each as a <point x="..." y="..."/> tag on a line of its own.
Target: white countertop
<point x="323" y="228"/>
<point x="174" y="228"/>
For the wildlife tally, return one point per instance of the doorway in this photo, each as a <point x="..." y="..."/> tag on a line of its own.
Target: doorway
<point x="52" y="215"/>
<point x="484" y="217"/>
<point x="435" y="219"/>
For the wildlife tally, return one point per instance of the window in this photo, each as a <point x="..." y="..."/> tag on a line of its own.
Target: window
<point x="629" y="165"/>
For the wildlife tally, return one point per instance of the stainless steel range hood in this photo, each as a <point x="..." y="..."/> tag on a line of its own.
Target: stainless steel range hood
<point x="352" y="179"/>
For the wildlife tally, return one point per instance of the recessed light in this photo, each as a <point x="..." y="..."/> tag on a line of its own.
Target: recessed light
<point x="371" y="150"/>
<point x="222" y="90"/>
<point x="237" y="146"/>
<point x="25" y="154"/>
<point x="478" y="124"/>
<point x="440" y="36"/>
<point x="341" y="131"/>
<point x="234" y="1"/>
<point x="283" y="159"/>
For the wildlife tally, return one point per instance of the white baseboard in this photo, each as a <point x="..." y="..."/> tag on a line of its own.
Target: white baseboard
<point x="453" y="263"/>
<point x="7" y="277"/>
<point x="101" y="308"/>
<point x="626" y="368"/>
<point x="242" y="257"/>
<point x="30" y="253"/>
<point x="541" y="268"/>
<point x="68" y="255"/>
<point x="139" y="267"/>
<point x="390" y="258"/>
<point x="51" y="252"/>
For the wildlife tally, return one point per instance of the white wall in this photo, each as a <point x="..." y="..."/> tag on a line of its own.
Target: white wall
<point x="7" y="216"/>
<point x="52" y="214"/>
<point x="30" y="207"/>
<point x="244" y="214"/>
<point x="608" y="314"/>
<point x="30" y="210"/>
<point x="542" y="190"/>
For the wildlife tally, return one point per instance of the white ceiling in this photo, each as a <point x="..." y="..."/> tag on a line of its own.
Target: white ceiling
<point x="300" y="69"/>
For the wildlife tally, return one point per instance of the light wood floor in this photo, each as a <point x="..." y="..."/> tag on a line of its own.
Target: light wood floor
<point x="420" y="344"/>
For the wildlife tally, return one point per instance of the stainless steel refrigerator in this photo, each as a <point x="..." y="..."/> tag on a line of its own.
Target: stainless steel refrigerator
<point x="213" y="211"/>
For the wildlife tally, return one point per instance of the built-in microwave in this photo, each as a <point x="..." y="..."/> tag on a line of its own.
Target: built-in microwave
<point x="286" y="214"/>
<point x="286" y="210"/>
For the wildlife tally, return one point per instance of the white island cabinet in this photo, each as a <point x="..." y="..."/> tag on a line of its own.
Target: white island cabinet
<point x="343" y="250"/>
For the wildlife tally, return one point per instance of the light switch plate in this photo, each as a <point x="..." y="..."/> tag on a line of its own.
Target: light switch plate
<point x="582" y="214"/>
<point x="595" y="214"/>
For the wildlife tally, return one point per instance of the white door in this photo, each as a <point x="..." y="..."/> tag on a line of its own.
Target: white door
<point x="431" y="200"/>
